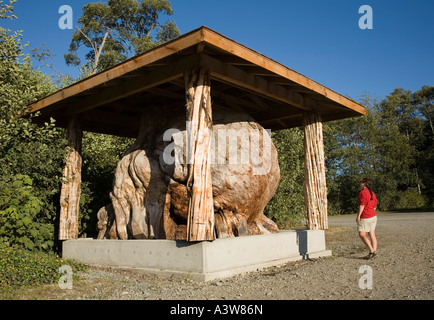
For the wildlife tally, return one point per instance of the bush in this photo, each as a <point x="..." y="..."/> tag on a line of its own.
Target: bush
<point x="286" y="208"/>
<point x="21" y="268"/>
<point x="410" y="199"/>
<point x="31" y="156"/>
<point x="101" y="154"/>
<point x="21" y="224"/>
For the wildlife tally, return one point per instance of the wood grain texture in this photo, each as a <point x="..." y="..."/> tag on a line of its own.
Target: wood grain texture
<point x="150" y="198"/>
<point x="71" y="184"/>
<point x="315" y="188"/>
<point x="200" y="217"/>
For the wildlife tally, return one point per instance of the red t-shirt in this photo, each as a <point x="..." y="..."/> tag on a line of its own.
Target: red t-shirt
<point x="370" y="205"/>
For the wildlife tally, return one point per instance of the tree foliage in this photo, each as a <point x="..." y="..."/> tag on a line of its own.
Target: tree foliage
<point x="286" y="208"/>
<point x="392" y="145"/>
<point x="22" y="223"/>
<point x="116" y="30"/>
<point x="101" y="154"/>
<point x="31" y="156"/>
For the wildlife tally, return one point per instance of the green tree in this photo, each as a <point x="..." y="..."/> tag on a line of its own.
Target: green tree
<point x="405" y="144"/>
<point x="26" y="150"/>
<point x="351" y="153"/>
<point x="101" y="154"/>
<point x="388" y="145"/>
<point x="286" y="207"/>
<point x="424" y="101"/>
<point x="117" y="30"/>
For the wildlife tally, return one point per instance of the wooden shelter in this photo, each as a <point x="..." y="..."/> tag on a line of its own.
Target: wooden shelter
<point x="190" y="72"/>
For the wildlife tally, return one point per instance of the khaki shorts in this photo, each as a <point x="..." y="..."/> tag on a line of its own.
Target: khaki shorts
<point x="367" y="225"/>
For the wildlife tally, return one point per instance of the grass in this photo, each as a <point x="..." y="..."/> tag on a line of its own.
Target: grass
<point x="21" y="269"/>
<point x="339" y="233"/>
<point x="344" y="241"/>
<point x="82" y="290"/>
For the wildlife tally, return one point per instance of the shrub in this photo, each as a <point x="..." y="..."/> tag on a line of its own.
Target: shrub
<point x="410" y="199"/>
<point x="21" y="224"/>
<point x="286" y="208"/>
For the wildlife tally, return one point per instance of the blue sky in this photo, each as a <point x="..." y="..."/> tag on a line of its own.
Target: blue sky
<point x="320" y="39"/>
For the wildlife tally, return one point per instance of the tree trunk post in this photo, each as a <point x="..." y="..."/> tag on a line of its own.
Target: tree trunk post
<point x="71" y="184"/>
<point x="200" y="219"/>
<point x="315" y="188"/>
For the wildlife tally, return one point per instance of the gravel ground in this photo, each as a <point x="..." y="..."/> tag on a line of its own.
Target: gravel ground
<point x="403" y="269"/>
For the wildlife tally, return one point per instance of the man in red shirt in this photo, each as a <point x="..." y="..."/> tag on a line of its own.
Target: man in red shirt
<point x="367" y="217"/>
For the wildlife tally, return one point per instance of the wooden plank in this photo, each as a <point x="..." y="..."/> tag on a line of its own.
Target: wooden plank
<point x="137" y="62"/>
<point x="71" y="184"/>
<point x="227" y="98"/>
<point x="258" y="71"/>
<point x="338" y="115"/>
<point x="111" y="118"/>
<point x="200" y="218"/>
<point x="166" y="93"/>
<point x="263" y="119"/>
<point x="298" y="88"/>
<point x="110" y="129"/>
<point x="206" y="40"/>
<point x="261" y="104"/>
<point x="130" y="87"/>
<point x="240" y="78"/>
<point x="234" y="60"/>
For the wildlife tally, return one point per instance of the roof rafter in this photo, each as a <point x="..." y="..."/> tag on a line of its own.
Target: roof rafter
<point x="238" y="77"/>
<point x="241" y="79"/>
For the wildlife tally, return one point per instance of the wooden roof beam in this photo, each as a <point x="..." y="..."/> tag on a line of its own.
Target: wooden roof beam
<point x="235" y="100"/>
<point x="241" y="78"/>
<point x="258" y="102"/>
<point x="129" y="87"/>
<point x="260" y="60"/>
<point x="278" y="113"/>
<point x="236" y="61"/>
<point x="111" y="118"/>
<point x="166" y="93"/>
<point x="287" y="118"/>
<point x="190" y="39"/>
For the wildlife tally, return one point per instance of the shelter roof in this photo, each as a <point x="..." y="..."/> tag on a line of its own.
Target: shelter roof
<point x="241" y="79"/>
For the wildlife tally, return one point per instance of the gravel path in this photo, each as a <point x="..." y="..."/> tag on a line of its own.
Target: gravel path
<point x="403" y="269"/>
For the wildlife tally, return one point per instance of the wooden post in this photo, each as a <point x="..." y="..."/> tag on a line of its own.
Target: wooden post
<point x="71" y="184"/>
<point x="200" y="219"/>
<point x="315" y="188"/>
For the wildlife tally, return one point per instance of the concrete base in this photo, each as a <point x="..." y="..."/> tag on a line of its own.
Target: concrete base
<point x="201" y="261"/>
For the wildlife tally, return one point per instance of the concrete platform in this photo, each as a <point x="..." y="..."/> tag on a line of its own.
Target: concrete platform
<point x="202" y="261"/>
